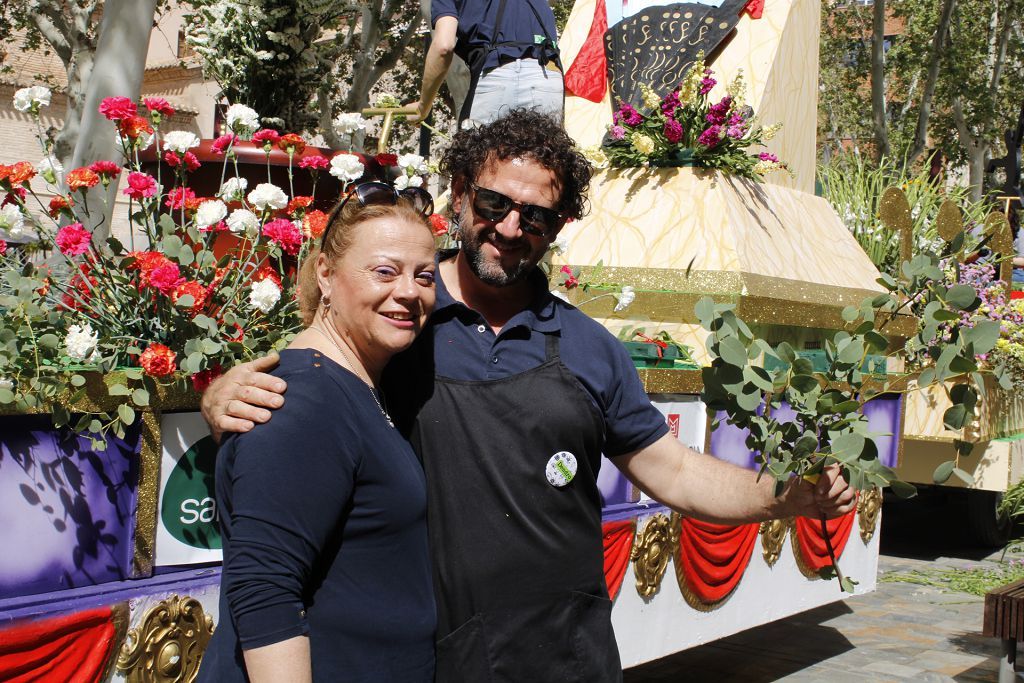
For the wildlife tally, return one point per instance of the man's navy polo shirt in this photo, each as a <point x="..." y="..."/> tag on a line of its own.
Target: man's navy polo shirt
<point x="466" y="348"/>
<point x="519" y="23"/>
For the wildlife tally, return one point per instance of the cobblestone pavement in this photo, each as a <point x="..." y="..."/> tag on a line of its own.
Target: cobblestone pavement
<point x="900" y="632"/>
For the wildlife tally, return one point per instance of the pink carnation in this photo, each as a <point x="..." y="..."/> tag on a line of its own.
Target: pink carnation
<point x="158" y="105"/>
<point x="105" y="168"/>
<point x="140" y="185"/>
<point x="73" y="240"/>
<point x="165" y="278"/>
<point x="3" y="247"/>
<point x="221" y="144"/>
<point x="179" y="197"/>
<point x="285" y="234"/>
<point x="118" y="108"/>
<point x="314" y="163"/>
<point x="173" y="160"/>
<point x="266" y="137"/>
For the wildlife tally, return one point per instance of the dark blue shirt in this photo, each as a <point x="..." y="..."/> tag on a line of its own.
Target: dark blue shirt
<point x="323" y="517"/>
<point x="525" y="22"/>
<point x="464" y="347"/>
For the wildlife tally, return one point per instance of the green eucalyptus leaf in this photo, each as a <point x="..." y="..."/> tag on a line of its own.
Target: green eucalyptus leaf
<point x="49" y="341"/>
<point x="963" y="297"/>
<point x="140" y="397"/>
<point x="963" y="476"/>
<point x="732" y="351"/>
<point x="955" y="417"/>
<point x="705" y="310"/>
<point x="962" y="364"/>
<point x="185" y="301"/>
<point x="786" y="353"/>
<point x="804" y="383"/>
<point x="749" y="401"/>
<point x="983" y="335"/>
<point x="963" y="448"/>
<point x="126" y="414"/>
<point x="803" y="366"/>
<point x="850" y="313"/>
<point x="943" y="472"/>
<point x="118" y="390"/>
<point x="77" y="380"/>
<point x="848" y="447"/>
<point x="876" y="341"/>
<point x="902" y="488"/>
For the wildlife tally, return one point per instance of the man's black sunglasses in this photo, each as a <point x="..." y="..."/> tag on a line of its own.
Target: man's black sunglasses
<point x="381" y="193"/>
<point x="534" y="220"/>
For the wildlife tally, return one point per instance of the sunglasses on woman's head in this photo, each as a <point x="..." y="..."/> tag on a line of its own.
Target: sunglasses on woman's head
<point x="382" y="193"/>
<point x="534" y="220"/>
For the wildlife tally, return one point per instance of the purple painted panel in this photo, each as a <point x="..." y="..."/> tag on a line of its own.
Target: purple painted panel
<point x="66" y="510"/>
<point x="883" y="413"/>
<point x="612" y="484"/>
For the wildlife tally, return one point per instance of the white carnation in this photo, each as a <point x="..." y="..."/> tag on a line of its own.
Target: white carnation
<point x="180" y="141"/>
<point x="347" y="124"/>
<point x="346" y="167"/>
<point x="210" y="213"/>
<point x="233" y="188"/>
<point x="268" y="196"/>
<point x="264" y="295"/>
<point x="243" y="221"/>
<point x="12" y="222"/>
<point x="242" y="120"/>
<point x="413" y="164"/>
<point x="559" y="246"/>
<point x="30" y="99"/>
<point x="51" y="170"/>
<point x="624" y="298"/>
<point x="80" y="341"/>
<point x="404" y="181"/>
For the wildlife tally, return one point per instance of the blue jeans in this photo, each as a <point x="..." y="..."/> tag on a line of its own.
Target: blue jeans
<point x="522" y="83"/>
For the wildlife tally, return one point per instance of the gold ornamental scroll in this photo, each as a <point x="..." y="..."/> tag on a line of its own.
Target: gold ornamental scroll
<point x="168" y="644"/>
<point x="653" y="547"/>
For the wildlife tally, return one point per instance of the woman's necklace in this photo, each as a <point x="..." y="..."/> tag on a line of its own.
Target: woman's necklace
<point x="352" y="366"/>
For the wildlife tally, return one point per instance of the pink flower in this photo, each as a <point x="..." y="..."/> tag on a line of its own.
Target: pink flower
<point x="765" y="156"/>
<point x="314" y="163"/>
<point x="710" y="137"/>
<point x="117" y="108"/>
<point x="707" y="83"/>
<point x="165" y="278"/>
<point x="158" y="105"/>
<point x="73" y="240"/>
<point x="140" y="185"/>
<point x="105" y="169"/>
<point x="670" y="103"/>
<point x="179" y="197"/>
<point x="221" y="144"/>
<point x="3" y="247"/>
<point x="285" y="234"/>
<point x="718" y="113"/>
<point x="618" y="132"/>
<point x="628" y="115"/>
<point x="673" y="130"/>
<point x="267" y="137"/>
<point x="571" y="281"/>
<point x="173" y="160"/>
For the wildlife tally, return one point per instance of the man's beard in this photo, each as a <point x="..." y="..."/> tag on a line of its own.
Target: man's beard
<point x="491" y="272"/>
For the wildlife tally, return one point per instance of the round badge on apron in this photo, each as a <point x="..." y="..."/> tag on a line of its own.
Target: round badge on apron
<point x="561" y="469"/>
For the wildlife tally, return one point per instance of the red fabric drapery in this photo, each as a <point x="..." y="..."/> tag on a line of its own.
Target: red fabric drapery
<point x="74" y="648"/>
<point x="618" y="542"/>
<point x="811" y="543"/>
<point x="755" y="8"/>
<point x="587" y="77"/>
<point x="713" y="557"/>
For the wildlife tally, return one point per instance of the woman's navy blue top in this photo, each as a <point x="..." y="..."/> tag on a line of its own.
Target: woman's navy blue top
<point x="323" y="519"/>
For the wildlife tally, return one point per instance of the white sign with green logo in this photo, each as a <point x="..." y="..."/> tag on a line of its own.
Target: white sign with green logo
<point x="187" y="530"/>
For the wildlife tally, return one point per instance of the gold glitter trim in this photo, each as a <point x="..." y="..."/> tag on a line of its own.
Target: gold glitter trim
<point x="653" y="547"/>
<point x="666" y="381"/>
<point x="894" y="210"/>
<point x="794" y="542"/>
<point x="147" y="494"/>
<point x="168" y="644"/>
<point x="773" y="539"/>
<point x="869" y="507"/>
<point x="998" y="228"/>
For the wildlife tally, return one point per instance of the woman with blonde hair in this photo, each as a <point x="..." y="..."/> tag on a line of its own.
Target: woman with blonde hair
<point x="326" y="571"/>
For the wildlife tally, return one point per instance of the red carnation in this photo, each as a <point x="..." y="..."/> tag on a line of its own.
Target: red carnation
<point x="267" y="137"/>
<point x="283" y="233"/>
<point x="140" y="185"/>
<point x="157" y="360"/>
<point x="385" y="159"/>
<point x="314" y="163"/>
<point x="300" y="202"/>
<point x="134" y="126"/>
<point x="82" y="179"/>
<point x="202" y="380"/>
<point x="158" y="105"/>
<point x="267" y="272"/>
<point x="292" y="143"/>
<point x="221" y="144"/>
<point x="439" y="223"/>
<point x="118" y="108"/>
<point x="73" y="240"/>
<point x="314" y="223"/>
<point x="15" y="196"/>
<point x="165" y="278"/>
<point x="21" y="172"/>
<point x="3" y="247"/>
<point x="196" y="291"/>
<point x="105" y="170"/>
<point x="58" y="204"/>
<point x="180" y="197"/>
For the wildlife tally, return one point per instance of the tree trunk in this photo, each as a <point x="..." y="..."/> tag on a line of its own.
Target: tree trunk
<point x="878" y="103"/>
<point x="976" y="170"/>
<point x="934" y="59"/>
<point x="117" y="71"/>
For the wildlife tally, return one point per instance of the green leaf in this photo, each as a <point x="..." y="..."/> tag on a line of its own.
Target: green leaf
<point x="850" y="313"/>
<point x="943" y="472"/>
<point x="983" y="335"/>
<point x="749" y="402"/>
<point x="125" y="413"/>
<point x="786" y="352"/>
<point x="118" y="390"/>
<point x="963" y="476"/>
<point x="961" y="365"/>
<point x="732" y="351"/>
<point x="804" y="383"/>
<point x="963" y="297"/>
<point x="876" y="341"/>
<point x="49" y="341"/>
<point x="185" y="301"/>
<point x="848" y="447"/>
<point x="902" y="488"/>
<point x="77" y="380"/>
<point x="95" y="426"/>
<point x="140" y="397"/>
<point x="847" y="584"/>
<point x="955" y="417"/>
<point x="705" y="310"/>
<point x="963" y="448"/>
<point x="943" y="315"/>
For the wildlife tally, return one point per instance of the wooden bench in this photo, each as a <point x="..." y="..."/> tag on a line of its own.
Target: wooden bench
<point x="1004" y="619"/>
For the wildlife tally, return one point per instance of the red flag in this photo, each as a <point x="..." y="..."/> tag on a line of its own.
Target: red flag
<point x="588" y="75"/>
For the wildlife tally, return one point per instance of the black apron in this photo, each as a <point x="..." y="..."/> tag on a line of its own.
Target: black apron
<point x="519" y="566"/>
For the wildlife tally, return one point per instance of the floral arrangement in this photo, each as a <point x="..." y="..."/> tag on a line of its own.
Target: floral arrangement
<point x="211" y="283"/>
<point x="684" y="127"/>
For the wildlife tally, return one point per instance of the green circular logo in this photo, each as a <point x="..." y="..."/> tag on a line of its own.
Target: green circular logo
<point x="188" y="509"/>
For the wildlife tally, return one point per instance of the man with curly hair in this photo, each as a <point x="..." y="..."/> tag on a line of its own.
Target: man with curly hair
<point x="512" y="398"/>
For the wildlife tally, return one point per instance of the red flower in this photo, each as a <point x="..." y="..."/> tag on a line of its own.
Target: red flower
<point x="267" y="272"/>
<point x="118" y="108"/>
<point x="283" y="233"/>
<point x="5" y="172"/>
<point x="21" y="172"/>
<point x="140" y="185"/>
<point x="1017" y="294"/>
<point x="180" y="197"/>
<point x="385" y="159"/>
<point x="3" y="247"/>
<point x="314" y="163"/>
<point x="145" y="262"/>
<point x="297" y="203"/>
<point x="164" y="278"/>
<point x="202" y="380"/>
<point x="292" y="143"/>
<point x="267" y="137"/>
<point x="221" y="144"/>
<point x="196" y="290"/>
<point x="440" y="224"/>
<point x="82" y="178"/>
<point x="59" y="203"/>
<point x="157" y="360"/>
<point x="189" y="159"/>
<point x="314" y="223"/>
<point x="73" y="240"/>
<point x="105" y="170"/>
<point x="158" y="105"/>
<point x="571" y="281"/>
<point x="18" y="192"/>
<point x="134" y="126"/>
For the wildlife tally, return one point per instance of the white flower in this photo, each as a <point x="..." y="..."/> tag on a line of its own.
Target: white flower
<point x="12" y="221"/>
<point x="30" y="99"/>
<point x="560" y="295"/>
<point x="180" y="141"/>
<point x="347" y="124"/>
<point x="242" y="120"/>
<point x="268" y="196"/>
<point x="51" y="170"/>
<point x="6" y="383"/>
<point x="560" y="245"/>
<point x="264" y="295"/>
<point x="413" y="164"/>
<point x="210" y="213"/>
<point x="233" y="188"/>
<point x="140" y="143"/>
<point x="624" y="298"/>
<point x="243" y="221"/>
<point x="404" y="181"/>
<point x="346" y="167"/>
<point x="80" y="341"/>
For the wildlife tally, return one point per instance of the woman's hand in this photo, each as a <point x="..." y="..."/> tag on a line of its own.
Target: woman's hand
<point x="243" y="397"/>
